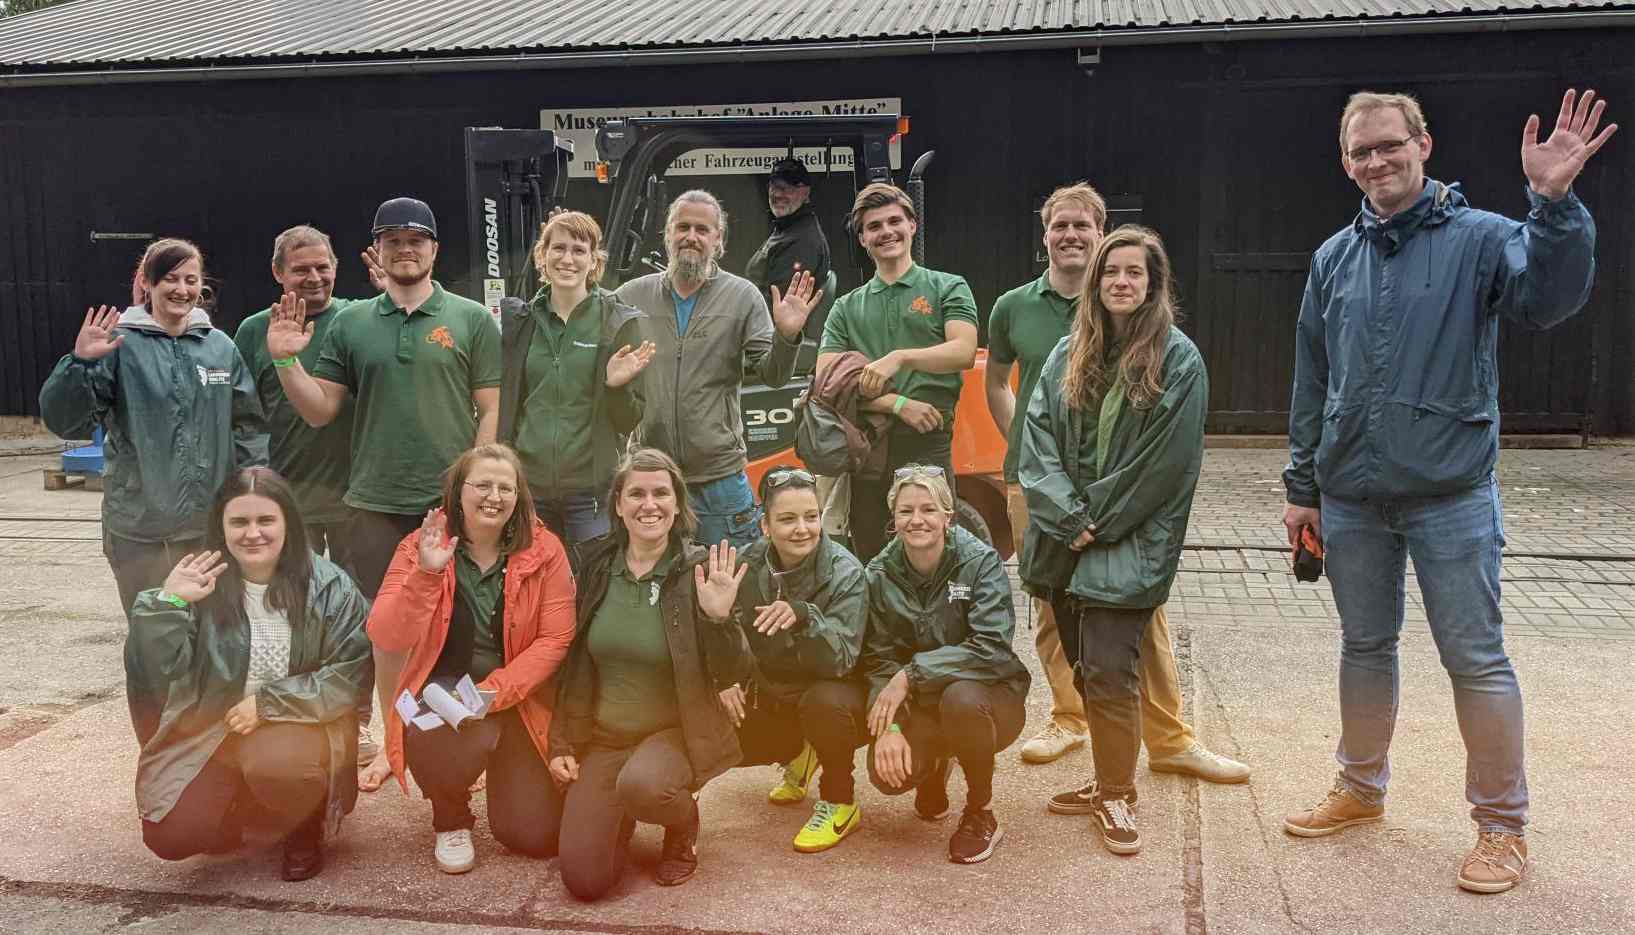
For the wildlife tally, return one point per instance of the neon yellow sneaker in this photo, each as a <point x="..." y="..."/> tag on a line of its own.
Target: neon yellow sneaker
<point x="797" y="778"/>
<point x="828" y="825"/>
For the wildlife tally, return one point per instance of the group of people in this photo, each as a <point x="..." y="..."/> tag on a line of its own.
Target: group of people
<point x="393" y="493"/>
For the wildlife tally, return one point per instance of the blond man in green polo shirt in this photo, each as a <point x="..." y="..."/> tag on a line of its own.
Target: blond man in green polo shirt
<point x="1026" y="324"/>
<point x="918" y="327"/>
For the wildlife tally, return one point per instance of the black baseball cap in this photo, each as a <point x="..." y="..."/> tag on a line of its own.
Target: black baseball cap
<point x="405" y="213"/>
<point x="792" y="171"/>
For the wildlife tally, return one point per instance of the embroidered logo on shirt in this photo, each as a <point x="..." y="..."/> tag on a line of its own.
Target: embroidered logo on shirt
<point x="959" y="592"/>
<point x="584" y="344"/>
<point x="209" y="377"/>
<point x="440" y="335"/>
<point x="921" y="305"/>
<point x="653" y="596"/>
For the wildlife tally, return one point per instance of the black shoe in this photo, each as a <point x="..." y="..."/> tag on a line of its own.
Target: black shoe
<point x="1115" y="818"/>
<point x="678" y="861"/>
<point x="1078" y="801"/>
<point x="975" y="838"/>
<point x="931" y="798"/>
<point x="304" y="851"/>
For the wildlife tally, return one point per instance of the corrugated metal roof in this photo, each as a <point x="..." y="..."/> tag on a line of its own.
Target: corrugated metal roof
<point x="107" y="32"/>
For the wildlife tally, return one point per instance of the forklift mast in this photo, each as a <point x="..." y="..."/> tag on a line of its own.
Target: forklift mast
<point x="513" y="180"/>
<point x="638" y="150"/>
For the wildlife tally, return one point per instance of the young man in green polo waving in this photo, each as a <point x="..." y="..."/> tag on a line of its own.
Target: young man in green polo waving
<point x="918" y="326"/>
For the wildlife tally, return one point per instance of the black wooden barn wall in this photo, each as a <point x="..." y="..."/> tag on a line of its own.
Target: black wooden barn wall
<point x="1230" y="151"/>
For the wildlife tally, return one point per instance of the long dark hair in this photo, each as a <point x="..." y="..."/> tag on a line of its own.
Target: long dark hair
<point x="1142" y="361"/>
<point x="292" y="577"/>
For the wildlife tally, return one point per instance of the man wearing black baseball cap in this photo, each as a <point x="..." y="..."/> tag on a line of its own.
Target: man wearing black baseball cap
<point x="796" y="241"/>
<point x="424" y="365"/>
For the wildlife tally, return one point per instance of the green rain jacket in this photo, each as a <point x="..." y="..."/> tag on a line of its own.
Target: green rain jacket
<point x="955" y="625"/>
<point x="616" y="412"/>
<point x="199" y="662"/>
<point x="829" y="593"/>
<point x="180" y="414"/>
<point x="1130" y="471"/>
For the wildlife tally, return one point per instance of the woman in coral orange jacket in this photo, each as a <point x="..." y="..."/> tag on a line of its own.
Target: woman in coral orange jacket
<point x="482" y="589"/>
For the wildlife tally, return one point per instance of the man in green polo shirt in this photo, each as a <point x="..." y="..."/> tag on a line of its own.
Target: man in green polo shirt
<point x="316" y="462"/>
<point x="423" y="367"/>
<point x="1026" y="325"/>
<point x="918" y="326"/>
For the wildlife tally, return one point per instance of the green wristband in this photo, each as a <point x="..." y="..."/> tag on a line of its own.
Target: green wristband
<point x="894" y="728"/>
<point x="283" y="362"/>
<point x="170" y="598"/>
<point x="897" y="407"/>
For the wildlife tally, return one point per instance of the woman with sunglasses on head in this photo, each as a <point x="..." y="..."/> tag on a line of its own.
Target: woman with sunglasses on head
<point x="261" y="659"/>
<point x="572" y="390"/>
<point x="483" y="590"/>
<point x="179" y="412"/>
<point x="943" y="683"/>
<point x="802" y="607"/>
<point x="1111" y="452"/>
<point x="641" y="725"/>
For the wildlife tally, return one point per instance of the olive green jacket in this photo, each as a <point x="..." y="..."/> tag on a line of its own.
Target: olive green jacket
<point x="955" y="625"/>
<point x="1139" y="498"/>
<point x="829" y="594"/>
<point x="198" y="661"/>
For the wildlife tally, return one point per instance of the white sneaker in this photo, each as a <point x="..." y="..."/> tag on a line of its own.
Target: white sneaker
<point x="1198" y="760"/>
<point x="454" y="851"/>
<point x="1050" y="744"/>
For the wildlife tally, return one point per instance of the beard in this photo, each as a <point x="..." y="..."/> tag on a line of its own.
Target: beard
<point x="689" y="266"/>
<point x="406" y="279"/>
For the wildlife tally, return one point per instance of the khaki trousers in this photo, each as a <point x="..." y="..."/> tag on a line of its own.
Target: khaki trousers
<point x="1162" y="729"/>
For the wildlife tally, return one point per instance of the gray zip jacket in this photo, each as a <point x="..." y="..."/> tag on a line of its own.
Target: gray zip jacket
<point x="692" y="384"/>
<point x="179" y="415"/>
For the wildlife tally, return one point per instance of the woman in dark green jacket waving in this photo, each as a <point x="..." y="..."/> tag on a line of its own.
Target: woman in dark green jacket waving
<point x="262" y="659"/>
<point x="1110" y="457"/>
<point x="943" y="682"/>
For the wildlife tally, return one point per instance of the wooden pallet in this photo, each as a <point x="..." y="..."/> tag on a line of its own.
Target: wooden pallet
<point x="62" y="480"/>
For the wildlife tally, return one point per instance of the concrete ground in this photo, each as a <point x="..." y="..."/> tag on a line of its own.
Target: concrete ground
<point x="1258" y="655"/>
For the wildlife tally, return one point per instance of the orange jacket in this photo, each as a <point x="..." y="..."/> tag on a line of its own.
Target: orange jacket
<point x="412" y="612"/>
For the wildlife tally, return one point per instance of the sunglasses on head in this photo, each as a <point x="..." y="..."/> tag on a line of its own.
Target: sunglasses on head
<point x="781" y="476"/>
<point x="921" y="470"/>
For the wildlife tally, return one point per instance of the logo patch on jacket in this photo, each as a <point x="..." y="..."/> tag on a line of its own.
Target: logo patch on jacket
<point x="439" y="335"/>
<point x="921" y="305"/>
<point x="208" y="377"/>
<point x="958" y="592"/>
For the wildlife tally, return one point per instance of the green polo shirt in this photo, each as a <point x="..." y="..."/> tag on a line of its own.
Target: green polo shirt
<point x="316" y="462"/>
<point x="877" y="318"/>
<point x="413" y="376"/>
<point x="479" y="592"/>
<point x="1026" y="324"/>
<point x="554" y="437"/>
<point x="635" y="678"/>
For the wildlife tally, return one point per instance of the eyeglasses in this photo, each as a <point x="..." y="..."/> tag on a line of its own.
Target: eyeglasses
<point x="917" y="470"/>
<point x="1386" y="149"/>
<point x="489" y="489"/>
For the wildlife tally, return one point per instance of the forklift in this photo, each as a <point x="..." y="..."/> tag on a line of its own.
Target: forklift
<point x="514" y="178"/>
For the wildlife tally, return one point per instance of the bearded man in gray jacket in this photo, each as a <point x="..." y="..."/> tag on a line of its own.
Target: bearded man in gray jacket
<point x="710" y="327"/>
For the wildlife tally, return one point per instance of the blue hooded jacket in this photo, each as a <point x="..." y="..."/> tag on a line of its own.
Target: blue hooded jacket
<point x="1396" y="384"/>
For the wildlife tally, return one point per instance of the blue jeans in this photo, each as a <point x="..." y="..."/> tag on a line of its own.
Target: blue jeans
<point x="575" y="518"/>
<point x="726" y="509"/>
<point x="1455" y="542"/>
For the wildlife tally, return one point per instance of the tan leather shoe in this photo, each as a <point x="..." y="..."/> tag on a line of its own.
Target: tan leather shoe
<point x="1497" y="862"/>
<point x="1338" y="810"/>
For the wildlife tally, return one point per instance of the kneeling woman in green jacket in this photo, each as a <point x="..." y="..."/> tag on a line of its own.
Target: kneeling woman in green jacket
<point x="943" y="682"/>
<point x="803" y="608"/>
<point x="1110" y="457"/>
<point x="262" y="659"/>
<point x="639" y="725"/>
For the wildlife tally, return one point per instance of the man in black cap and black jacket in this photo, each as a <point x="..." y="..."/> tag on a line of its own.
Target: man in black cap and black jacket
<point x="796" y="241"/>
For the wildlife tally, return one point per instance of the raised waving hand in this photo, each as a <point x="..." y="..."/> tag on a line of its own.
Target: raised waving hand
<point x="96" y="338"/>
<point x="1551" y="166"/>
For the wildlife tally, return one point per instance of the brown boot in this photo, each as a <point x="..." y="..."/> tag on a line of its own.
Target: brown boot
<point x="1338" y="810"/>
<point x="1495" y="864"/>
